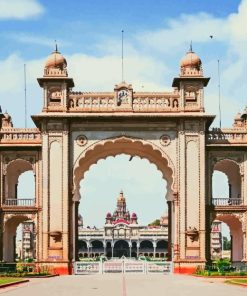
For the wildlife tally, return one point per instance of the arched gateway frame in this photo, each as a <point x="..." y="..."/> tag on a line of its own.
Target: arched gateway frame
<point x="76" y="129"/>
<point x="101" y="149"/>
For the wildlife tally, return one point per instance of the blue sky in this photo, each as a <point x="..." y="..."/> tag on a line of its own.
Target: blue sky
<point x="157" y="35"/>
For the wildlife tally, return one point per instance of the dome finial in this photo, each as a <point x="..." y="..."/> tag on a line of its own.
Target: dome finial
<point x="56" y="50"/>
<point x="191" y="50"/>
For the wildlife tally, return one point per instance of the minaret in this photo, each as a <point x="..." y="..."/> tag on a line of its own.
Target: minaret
<point x="55" y="83"/>
<point x="191" y="82"/>
<point x="121" y="203"/>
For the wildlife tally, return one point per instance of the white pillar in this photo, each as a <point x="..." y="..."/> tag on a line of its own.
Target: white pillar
<point x="130" y="248"/>
<point x="154" y="246"/>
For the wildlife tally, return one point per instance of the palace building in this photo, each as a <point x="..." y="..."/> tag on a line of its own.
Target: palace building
<point x="123" y="236"/>
<point x="75" y="129"/>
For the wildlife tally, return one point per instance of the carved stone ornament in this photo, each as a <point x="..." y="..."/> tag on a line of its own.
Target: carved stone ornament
<point x="192" y="233"/>
<point x="56" y="235"/>
<point x="81" y="140"/>
<point x="165" y="140"/>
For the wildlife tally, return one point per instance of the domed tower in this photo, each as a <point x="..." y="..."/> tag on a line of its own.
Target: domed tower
<point x="133" y="218"/>
<point x="108" y="218"/>
<point x="238" y="120"/>
<point x="55" y="82"/>
<point x="6" y="120"/>
<point x="121" y="203"/>
<point x="191" y="82"/>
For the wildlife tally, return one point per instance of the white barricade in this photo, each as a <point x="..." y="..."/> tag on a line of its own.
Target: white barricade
<point x="113" y="266"/>
<point x="87" y="267"/>
<point x="134" y="267"/>
<point x="123" y="266"/>
<point x="159" y="267"/>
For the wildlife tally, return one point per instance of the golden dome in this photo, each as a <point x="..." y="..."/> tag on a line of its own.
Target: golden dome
<point x="56" y="60"/>
<point x="190" y="60"/>
<point x="121" y="197"/>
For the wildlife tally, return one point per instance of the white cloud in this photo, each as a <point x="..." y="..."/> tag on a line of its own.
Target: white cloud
<point x="178" y="33"/>
<point x="147" y="57"/>
<point x="35" y="39"/>
<point x="102" y="73"/>
<point x="12" y="87"/>
<point x="145" y="196"/>
<point x="20" y="9"/>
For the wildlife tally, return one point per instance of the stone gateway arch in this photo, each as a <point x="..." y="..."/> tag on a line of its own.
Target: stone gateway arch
<point x="76" y="129"/>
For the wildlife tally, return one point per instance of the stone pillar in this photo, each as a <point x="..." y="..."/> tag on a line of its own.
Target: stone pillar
<point x="104" y="244"/>
<point x="154" y="246"/>
<point x="137" y="248"/>
<point x="88" y="249"/>
<point x="175" y="243"/>
<point x="75" y="207"/>
<point x="1" y="236"/>
<point x="112" y="249"/>
<point x="130" y="248"/>
<point x="169" y="204"/>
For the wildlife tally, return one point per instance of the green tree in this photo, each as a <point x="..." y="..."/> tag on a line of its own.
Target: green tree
<point x="226" y="243"/>
<point x="155" y="223"/>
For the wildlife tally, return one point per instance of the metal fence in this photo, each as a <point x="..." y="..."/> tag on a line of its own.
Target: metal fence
<point x="19" y="202"/>
<point x="123" y="266"/>
<point x="227" y="201"/>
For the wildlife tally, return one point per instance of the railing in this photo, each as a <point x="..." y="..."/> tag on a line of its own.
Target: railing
<point x="20" y="135"/>
<point x="227" y="201"/>
<point x="107" y="102"/>
<point x="147" y="250"/>
<point x="19" y="202"/>
<point x="226" y="136"/>
<point x="122" y="266"/>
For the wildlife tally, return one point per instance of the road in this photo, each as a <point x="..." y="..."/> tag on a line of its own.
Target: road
<point x="124" y="285"/>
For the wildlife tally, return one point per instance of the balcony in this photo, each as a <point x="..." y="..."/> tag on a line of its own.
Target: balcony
<point x="227" y="202"/>
<point x="19" y="202"/>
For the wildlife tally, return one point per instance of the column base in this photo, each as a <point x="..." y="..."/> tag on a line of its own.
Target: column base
<point x="59" y="268"/>
<point x="187" y="267"/>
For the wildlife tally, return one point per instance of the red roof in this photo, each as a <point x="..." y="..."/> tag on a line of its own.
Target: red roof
<point x="121" y="221"/>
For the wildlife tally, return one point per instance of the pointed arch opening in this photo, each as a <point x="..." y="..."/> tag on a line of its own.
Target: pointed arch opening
<point x="19" y="172"/>
<point x="130" y="148"/>
<point x="236" y="236"/>
<point x="226" y="183"/>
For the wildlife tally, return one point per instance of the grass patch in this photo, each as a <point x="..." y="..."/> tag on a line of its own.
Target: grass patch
<point x="7" y="280"/>
<point x="237" y="281"/>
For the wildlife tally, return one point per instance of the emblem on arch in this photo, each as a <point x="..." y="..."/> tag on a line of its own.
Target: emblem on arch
<point x="81" y="140"/>
<point x="165" y="140"/>
<point x="123" y="94"/>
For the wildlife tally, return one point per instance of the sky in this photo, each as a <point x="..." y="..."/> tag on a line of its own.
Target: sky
<point x="156" y="37"/>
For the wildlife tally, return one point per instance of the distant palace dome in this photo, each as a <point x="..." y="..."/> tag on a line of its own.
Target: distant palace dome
<point x="56" y="60"/>
<point x="108" y="215"/>
<point x="191" y="60"/>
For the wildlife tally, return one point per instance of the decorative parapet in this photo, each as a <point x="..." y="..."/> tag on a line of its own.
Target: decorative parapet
<point x="124" y="100"/>
<point x="55" y="72"/>
<point x="20" y="136"/>
<point x="227" y="136"/>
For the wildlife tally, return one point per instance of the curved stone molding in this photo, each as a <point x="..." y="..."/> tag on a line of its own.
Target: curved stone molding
<point x="81" y="140"/>
<point x="132" y="146"/>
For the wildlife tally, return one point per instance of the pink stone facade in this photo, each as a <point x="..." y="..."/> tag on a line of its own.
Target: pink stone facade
<point x="171" y="129"/>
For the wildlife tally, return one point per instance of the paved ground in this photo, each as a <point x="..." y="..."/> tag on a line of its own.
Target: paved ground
<point x="128" y="285"/>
